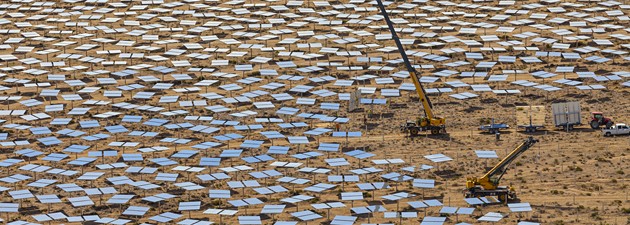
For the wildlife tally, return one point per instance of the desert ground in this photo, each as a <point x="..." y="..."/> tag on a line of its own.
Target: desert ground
<point x="155" y="90"/>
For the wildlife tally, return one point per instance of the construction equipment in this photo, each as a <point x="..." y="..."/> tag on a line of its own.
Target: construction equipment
<point x="488" y="184"/>
<point x="599" y="119"/>
<point x="566" y="115"/>
<point x="429" y="122"/>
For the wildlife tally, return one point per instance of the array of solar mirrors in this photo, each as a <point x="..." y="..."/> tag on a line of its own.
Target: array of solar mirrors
<point x="201" y="112"/>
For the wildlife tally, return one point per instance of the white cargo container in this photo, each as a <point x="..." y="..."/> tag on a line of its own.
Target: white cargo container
<point x="566" y="114"/>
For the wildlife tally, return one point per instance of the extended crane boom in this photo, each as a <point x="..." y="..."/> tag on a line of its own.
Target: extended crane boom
<point x="429" y="121"/>
<point x="488" y="184"/>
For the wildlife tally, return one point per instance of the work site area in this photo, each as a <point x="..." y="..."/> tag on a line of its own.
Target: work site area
<point x="283" y="112"/>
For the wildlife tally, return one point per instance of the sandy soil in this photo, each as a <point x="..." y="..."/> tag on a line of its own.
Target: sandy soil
<point x="577" y="177"/>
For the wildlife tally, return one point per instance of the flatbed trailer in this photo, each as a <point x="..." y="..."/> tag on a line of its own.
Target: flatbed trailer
<point x="494" y="128"/>
<point x="530" y="118"/>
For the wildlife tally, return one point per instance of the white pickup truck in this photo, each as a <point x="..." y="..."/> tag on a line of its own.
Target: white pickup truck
<point x="618" y="129"/>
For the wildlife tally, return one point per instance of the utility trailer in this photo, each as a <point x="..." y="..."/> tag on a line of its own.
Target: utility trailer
<point x="530" y="118"/>
<point x="566" y="115"/>
<point x="494" y="128"/>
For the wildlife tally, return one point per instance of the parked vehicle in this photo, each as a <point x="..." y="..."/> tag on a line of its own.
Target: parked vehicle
<point x="618" y="129"/>
<point x="599" y="119"/>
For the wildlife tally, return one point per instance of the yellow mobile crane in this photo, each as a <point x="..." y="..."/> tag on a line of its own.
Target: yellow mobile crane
<point x="429" y="121"/>
<point x="488" y="184"/>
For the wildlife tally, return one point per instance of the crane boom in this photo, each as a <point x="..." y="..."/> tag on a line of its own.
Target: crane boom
<point x="426" y="102"/>
<point x="502" y="166"/>
<point x="488" y="184"/>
